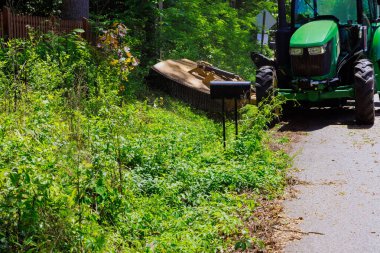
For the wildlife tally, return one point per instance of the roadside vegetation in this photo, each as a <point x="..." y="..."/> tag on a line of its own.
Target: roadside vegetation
<point x="91" y="160"/>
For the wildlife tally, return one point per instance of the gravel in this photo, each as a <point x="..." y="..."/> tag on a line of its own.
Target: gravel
<point x="340" y="204"/>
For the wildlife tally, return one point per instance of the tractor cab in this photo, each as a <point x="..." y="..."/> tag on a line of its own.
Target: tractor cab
<point x="330" y="50"/>
<point x="332" y="32"/>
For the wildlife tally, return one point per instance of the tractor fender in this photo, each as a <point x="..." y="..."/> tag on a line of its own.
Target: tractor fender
<point x="375" y="57"/>
<point x="375" y="52"/>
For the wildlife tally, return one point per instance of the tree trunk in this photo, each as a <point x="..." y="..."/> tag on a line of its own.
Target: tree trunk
<point x="150" y="49"/>
<point x="236" y="3"/>
<point x="75" y="9"/>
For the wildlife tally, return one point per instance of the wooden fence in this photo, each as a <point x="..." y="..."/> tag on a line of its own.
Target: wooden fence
<point x="16" y="26"/>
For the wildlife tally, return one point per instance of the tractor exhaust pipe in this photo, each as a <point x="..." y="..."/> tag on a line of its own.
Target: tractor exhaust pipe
<point x="283" y="36"/>
<point x="282" y="14"/>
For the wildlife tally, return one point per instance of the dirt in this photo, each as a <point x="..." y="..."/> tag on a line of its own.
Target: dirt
<point x="334" y="205"/>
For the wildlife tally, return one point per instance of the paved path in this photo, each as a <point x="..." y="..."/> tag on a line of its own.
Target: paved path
<point x="341" y="200"/>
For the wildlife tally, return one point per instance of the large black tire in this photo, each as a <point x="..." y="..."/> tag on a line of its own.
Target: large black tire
<point x="364" y="92"/>
<point x="264" y="83"/>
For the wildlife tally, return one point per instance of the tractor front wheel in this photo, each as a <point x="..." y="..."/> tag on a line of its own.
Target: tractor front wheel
<point x="364" y="92"/>
<point x="264" y="83"/>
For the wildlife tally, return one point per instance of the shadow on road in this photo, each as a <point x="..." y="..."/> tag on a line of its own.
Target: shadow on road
<point x="308" y="120"/>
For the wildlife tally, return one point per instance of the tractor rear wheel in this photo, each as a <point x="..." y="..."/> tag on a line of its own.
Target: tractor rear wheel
<point x="264" y="83"/>
<point x="364" y="92"/>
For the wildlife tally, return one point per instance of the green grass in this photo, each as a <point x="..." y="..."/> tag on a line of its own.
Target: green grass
<point x="108" y="173"/>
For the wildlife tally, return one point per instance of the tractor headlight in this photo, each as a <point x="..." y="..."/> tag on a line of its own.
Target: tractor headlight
<point x="296" y="51"/>
<point x="317" y="50"/>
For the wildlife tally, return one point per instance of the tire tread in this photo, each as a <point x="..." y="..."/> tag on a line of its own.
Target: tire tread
<point x="364" y="92"/>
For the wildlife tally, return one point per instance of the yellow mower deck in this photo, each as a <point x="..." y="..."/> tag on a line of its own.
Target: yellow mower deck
<point x="190" y="81"/>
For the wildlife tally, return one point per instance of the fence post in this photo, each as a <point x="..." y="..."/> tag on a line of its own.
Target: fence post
<point x="87" y="29"/>
<point x="53" y="24"/>
<point x="7" y="22"/>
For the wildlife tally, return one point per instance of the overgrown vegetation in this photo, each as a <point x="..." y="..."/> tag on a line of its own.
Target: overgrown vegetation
<point x="205" y="30"/>
<point x="35" y="7"/>
<point x="86" y="166"/>
<point x="92" y="161"/>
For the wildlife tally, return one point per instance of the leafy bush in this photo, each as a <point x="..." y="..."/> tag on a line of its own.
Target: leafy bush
<point x="217" y="34"/>
<point x="35" y="7"/>
<point x="205" y="30"/>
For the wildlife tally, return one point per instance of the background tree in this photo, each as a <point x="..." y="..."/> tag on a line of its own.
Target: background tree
<point x="76" y="9"/>
<point x="220" y="32"/>
<point x="34" y="7"/>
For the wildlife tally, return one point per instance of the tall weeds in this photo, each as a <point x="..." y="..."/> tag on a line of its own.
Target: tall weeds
<point x="85" y="167"/>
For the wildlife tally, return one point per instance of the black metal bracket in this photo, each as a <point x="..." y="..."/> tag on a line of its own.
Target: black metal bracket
<point x="224" y="121"/>
<point x="230" y="90"/>
<point x="261" y="60"/>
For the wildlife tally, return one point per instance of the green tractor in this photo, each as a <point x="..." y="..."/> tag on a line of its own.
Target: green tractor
<point x="329" y="51"/>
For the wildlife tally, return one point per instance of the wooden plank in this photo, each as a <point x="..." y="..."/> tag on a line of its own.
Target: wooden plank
<point x="22" y="27"/>
<point x="14" y="25"/>
<point x="24" y="23"/>
<point x="6" y="22"/>
<point x="11" y="27"/>
<point x="87" y="29"/>
<point x="18" y="27"/>
<point x="1" y="24"/>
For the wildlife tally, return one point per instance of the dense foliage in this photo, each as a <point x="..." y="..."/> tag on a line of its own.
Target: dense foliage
<point x="85" y="166"/>
<point x="92" y="161"/>
<point x="35" y="7"/>
<point x="205" y="30"/>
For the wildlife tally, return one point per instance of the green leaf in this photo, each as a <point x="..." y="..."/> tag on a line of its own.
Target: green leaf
<point x="79" y="30"/>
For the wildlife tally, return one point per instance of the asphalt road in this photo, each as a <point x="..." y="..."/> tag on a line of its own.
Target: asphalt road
<point x="339" y="202"/>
